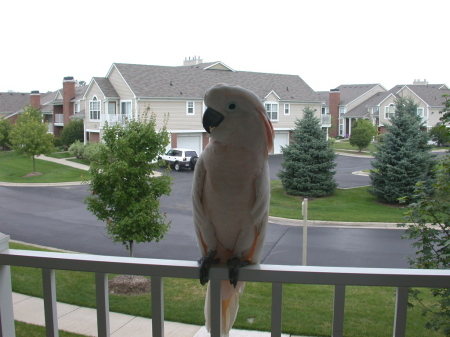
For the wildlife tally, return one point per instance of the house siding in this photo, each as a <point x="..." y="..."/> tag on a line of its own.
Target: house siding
<point x="94" y="90"/>
<point x="120" y="85"/>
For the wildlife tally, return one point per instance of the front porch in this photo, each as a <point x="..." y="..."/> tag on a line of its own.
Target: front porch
<point x="276" y="275"/>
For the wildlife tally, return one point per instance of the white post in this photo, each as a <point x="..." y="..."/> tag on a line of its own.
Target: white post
<point x="7" y="328"/>
<point x="305" y="229"/>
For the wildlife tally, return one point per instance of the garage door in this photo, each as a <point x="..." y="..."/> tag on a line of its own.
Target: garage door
<point x="281" y="139"/>
<point x="190" y="141"/>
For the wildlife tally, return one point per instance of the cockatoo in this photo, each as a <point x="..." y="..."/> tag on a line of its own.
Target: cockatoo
<point x="231" y="190"/>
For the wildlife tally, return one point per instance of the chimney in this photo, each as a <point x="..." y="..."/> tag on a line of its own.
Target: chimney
<point x="334" y="100"/>
<point x="195" y="60"/>
<point x="68" y="95"/>
<point x="419" y="82"/>
<point x="35" y="99"/>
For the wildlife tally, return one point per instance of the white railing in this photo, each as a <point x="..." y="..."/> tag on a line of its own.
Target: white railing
<point x="326" y="120"/>
<point x="402" y="279"/>
<point x="50" y="128"/>
<point x="59" y="119"/>
<point x="114" y="119"/>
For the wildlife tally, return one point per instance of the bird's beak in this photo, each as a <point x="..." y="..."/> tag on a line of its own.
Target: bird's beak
<point x="211" y="119"/>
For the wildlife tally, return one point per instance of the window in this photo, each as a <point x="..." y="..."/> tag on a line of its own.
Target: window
<point x="190" y="108"/>
<point x="94" y="109"/>
<point x="420" y="112"/>
<point x="341" y="111"/>
<point x="389" y="111"/>
<point x="76" y="108"/>
<point x="112" y="108"/>
<point x="325" y="110"/>
<point x="272" y="111"/>
<point x="287" y="109"/>
<point x="376" y="111"/>
<point x="125" y="108"/>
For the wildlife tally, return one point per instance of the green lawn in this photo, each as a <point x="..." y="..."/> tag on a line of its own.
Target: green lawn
<point x="353" y="205"/>
<point x="60" y="155"/>
<point x="344" y="146"/>
<point x="13" y="168"/>
<point x="307" y="309"/>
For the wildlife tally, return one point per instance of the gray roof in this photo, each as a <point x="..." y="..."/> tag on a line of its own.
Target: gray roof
<point x="192" y="82"/>
<point x="350" y="92"/>
<point x="323" y="96"/>
<point x="11" y="102"/>
<point x="361" y="109"/>
<point x="106" y="87"/>
<point x="431" y="94"/>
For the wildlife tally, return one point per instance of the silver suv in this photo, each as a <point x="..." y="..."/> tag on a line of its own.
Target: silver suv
<point x="179" y="158"/>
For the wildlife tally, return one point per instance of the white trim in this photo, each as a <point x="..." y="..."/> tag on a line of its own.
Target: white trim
<point x="270" y="115"/>
<point x="271" y="93"/>
<point x="186" y="131"/>
<point x="93" y="130"/>
<point x="99" y="108"/>
<point x="188" y="107"/>
<point x="288" y="109"/>
<point x="216" y="63"/>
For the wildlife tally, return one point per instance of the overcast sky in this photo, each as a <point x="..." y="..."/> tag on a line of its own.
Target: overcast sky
<point x="327" y="43"/>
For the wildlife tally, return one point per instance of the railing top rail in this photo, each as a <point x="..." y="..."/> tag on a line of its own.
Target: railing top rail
<point x="254" y="273"/>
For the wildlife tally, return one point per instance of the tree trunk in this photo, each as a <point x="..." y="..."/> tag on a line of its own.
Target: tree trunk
<point x="130" y="244"/>
<point x="34" y="165"/>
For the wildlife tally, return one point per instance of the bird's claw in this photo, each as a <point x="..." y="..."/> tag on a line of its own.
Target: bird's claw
<point x="205" y="264"/>
<point x="233" y="269"/>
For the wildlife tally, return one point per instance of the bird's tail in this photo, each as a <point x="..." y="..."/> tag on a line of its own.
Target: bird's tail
<point x="230" y="305"/>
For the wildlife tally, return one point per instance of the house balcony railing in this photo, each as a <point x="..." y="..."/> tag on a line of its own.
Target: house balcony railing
<point x="277" y="275"/>
<point x="49" y="128"/>
<point x="114" y="119"/>
<point x="59" y="120"/>
<point x="326" y="120"/>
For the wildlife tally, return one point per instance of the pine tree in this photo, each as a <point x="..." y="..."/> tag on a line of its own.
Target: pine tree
<point x="309" y="160"/>
<point x="403" y="158"/>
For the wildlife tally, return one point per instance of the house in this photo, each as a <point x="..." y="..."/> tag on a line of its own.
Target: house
<point x="176" y="93"/>
<point x="12" y="104"/>
<point x="341" y="103"/>
<point x="374" y="102"/>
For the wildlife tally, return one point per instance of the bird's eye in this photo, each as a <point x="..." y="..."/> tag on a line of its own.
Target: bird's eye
<point x="232" y="106"/>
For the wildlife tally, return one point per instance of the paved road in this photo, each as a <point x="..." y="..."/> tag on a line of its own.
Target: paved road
<point x="56" y="217"/>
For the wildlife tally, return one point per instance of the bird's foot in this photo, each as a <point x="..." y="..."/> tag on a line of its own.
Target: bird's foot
<point x="205" y="264"/>
<point x="233" y="269"/>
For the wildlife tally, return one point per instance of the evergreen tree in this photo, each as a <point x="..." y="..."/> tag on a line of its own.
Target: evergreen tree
<point x="363" y="132"/>
<point x="403" y="158"/>
<point x="309" y="160"/>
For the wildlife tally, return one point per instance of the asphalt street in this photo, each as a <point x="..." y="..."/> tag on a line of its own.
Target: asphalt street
<point x="57" y="217"/>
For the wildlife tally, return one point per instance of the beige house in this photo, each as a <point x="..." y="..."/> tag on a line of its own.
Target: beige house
<point x="380" y="107"/>
<point x="129" y="90"/>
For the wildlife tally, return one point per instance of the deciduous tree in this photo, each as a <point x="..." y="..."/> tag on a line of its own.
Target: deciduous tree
<point x="5" y="130"/>
<point x="362" y="134"/>
<point x="125" y="189"/>
<point x="29" y="135"/>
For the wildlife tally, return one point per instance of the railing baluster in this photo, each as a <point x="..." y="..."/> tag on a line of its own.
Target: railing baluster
<point x="102" y="297"/>
<point x="157" y="306"/>
<point x="51" y="317"/>
<point x="6" y="303"/>
<point x="338" y="312"/>
<point x="277" y="301"/>
<point x="401" y="309"/>
<point x="216" y="308"/>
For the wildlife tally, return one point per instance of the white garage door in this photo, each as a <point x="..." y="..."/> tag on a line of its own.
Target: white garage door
<point x="190" y="141"/>
<point x="281" y="139"/>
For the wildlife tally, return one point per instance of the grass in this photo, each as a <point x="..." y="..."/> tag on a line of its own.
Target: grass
<point x="344" y="205"/>
<point x="60" y="155"/>
<point x="80" y="161"/>
<point x="307" y="309"/>
<point x="344" y="146"/>
<point x="13" y="168"/>
<point x="27" y="330"/>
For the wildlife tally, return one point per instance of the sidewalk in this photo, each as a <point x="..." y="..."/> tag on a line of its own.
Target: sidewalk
<point x="83" y="321"/>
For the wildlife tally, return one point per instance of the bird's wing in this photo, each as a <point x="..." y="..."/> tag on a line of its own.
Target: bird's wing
<point x="259" y="214"/>
<point x="206" y="236"/>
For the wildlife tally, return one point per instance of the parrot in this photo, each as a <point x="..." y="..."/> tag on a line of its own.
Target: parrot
<point x="231" y="190"/>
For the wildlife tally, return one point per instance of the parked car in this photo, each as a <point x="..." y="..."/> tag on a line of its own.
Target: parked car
<point x="179" y="158"/>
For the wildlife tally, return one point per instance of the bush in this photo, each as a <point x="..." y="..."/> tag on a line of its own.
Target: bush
<point x="92" y="151"/>
<point x="77" y="149"/>
<point x="57" y="142"/>
<point x="73" y="132"/>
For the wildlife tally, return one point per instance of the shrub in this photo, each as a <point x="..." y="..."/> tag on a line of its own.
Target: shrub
<point x="72" y="132"/>
<point x="92" y="151"/>
<point x="77" y="149"/>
